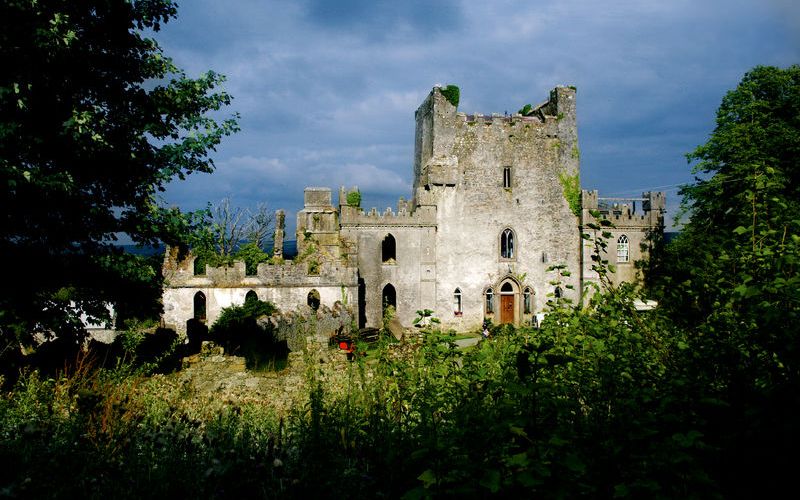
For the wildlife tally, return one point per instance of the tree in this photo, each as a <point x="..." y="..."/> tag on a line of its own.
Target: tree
<point x="229" y="233"/>
<point x="94" y="121"/>
<point x="732" y="277"/>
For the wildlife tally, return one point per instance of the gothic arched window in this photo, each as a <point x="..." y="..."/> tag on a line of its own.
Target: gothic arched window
<point x="526" y="301"/>
<point x="457" y="301"/>
<point x="489" y="296"/>
<point x="623" y="249"/>
<point x="200" y="306"/>
<point x="507" y="250"/>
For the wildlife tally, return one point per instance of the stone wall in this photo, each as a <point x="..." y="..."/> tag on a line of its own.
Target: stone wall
<point x="459" y="168"/>
<point x="634" y="225"/>
<point x="286" y="285"/>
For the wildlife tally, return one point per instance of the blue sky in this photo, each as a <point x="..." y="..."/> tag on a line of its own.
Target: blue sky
<point x="327" y="89"/>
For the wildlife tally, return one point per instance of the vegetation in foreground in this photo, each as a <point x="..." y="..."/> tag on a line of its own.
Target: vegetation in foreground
<point x="696" y="399"/>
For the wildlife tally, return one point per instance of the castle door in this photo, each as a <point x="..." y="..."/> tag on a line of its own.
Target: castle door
<point x="507" y="303"/>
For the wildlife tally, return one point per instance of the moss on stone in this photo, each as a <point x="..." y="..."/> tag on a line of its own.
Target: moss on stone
<point x="571" y="186"/>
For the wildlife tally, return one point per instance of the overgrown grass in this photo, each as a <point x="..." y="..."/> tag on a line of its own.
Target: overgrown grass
<point x="596" y="403"/>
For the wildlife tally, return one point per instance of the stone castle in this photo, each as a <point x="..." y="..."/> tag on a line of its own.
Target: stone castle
<point x="493" y="229"/>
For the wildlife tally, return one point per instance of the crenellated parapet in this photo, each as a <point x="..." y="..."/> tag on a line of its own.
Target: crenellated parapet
<point x="179" y="274"/>
<point x="424" y="216"/>
<point x="623" y="213"/>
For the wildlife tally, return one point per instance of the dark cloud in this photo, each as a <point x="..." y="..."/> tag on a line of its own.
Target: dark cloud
<point x="377" y="19"/>
<point x="327" y="90"/>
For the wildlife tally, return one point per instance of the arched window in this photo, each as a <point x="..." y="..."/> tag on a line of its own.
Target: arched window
<point x="313" y="300"/>
<point x="389" y="297"/>
<point x="457" y="301"/>
<point x="507" y="244"/>
<point x="199" y="266"/>
<point x="200" y="306"/>
<point x="250" y="296"/>
<point x="489" y="296"/>
<point x="557" y="292"/>
<point x="389" y="250"/>
<point x="526" y="301"/>
<point x="623" y="249"/>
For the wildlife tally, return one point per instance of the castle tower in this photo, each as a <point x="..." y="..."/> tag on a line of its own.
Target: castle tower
<point x="507" y="197"/>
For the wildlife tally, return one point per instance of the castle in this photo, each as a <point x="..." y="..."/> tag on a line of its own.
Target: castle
<point x="493" y="229"/>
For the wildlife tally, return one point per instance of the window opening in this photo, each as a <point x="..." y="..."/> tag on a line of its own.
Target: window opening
<point x="507" y="244"/>
<point x="199" y="266"/>
<point x="457" y="301"/>
<point x="507" y="177"/>
<point x="200" y="306"/>
<point x="389" y="250"/>
<point x="489" y="301"/>
<point x="313" y="300"/>
<point x="389" y="297"/>
<point x="557" y="292"/>
<point x="526" y="301"/>
<point x="623" y="249"/>
<point x="250" y="296"/>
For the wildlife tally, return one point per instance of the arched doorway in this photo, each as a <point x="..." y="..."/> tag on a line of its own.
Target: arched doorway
<point x="250" y="296"/>
<point x="313" y="300"/>
<point x="389" y="297"/>
<point x="508" y="303"/>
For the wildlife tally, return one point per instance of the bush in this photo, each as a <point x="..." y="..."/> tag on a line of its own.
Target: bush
<point x="238" y="331"/>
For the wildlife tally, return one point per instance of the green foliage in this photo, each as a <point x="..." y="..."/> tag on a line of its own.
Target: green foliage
<point x="94" y="122"/>
<point x="452" y="93"/>
<point x="238" y="331"/>
<point x="252" y="255"/>
<point x="527" y="110"/>
<point x="731" y="277"/>
<point x="426" y="319"/>
<point x="354" y="198"/>
<point x="571" y="186"/>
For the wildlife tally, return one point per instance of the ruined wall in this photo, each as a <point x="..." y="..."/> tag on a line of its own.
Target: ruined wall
<point x="413" y="270"/>
<point x="286" y="285"/>
<point x="459" y="168"/>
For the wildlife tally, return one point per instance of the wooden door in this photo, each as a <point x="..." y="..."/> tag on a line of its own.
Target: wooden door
<point x="506" y="309"/>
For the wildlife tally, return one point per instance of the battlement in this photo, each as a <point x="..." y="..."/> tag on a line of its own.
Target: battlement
<point x="179" y="273"/>
<point x="424" y="216"/>
<point x="497" y="118"/>
<point x="623" y="211"/>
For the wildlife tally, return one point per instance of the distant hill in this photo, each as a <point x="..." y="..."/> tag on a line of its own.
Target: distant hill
<point x="289" y="249"/>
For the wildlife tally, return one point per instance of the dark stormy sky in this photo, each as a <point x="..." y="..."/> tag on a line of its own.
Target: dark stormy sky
<point x="327" y="89"/>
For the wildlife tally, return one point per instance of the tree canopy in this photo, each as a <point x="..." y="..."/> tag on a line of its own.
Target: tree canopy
<point x="94" y="121"/>
<point x="731" y="279"/>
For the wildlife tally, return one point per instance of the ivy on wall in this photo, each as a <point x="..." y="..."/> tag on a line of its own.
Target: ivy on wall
<point x="452" y="93"/>
<point x="354" y="198"/>
<point x="571" y="185"/>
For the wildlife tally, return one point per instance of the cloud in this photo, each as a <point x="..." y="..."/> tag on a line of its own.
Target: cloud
<point x="327" y="90"/>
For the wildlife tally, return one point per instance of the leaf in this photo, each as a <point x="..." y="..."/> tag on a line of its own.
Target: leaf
<point x="491" y="480"/>
<point x="428" y="478"/>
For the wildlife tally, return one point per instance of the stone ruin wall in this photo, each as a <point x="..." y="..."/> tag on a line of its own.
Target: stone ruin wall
<point x="285" y="285"/>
